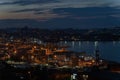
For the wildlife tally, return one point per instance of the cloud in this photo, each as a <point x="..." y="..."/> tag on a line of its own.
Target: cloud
<point x="66" y="22"/>
<point x="64" y="3"/>
<point x="61" y="10"/>
<point x="87" y="12"/>
<point x="48" y="5"/>
<point x="26" y="2"/>
<point x="26" y="10"/>
<point x="116" y="15"/>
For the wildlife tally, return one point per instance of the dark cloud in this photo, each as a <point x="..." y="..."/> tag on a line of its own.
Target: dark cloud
<point x="27" y="2"/>
<point x="54" y="23"/>
<point x="78" y="13"/>
<point x="98" y="22"/>
<point x="87" y="12"/>
<point x="26" y="10"/>
<point x="75" y="17"/>
<point x="34" y="10"/>
<point x="89" y="17"/>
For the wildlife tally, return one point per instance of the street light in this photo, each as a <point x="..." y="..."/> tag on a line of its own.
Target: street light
<point x="85" y="77"/>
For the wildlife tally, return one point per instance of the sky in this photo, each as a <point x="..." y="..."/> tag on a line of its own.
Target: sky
<point x="54" y="14"/>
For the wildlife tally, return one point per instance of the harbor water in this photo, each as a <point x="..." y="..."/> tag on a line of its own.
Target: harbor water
<point x="107" y="50"/>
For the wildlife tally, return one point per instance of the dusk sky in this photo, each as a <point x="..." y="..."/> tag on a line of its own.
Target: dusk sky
<point x="60" y="13"/>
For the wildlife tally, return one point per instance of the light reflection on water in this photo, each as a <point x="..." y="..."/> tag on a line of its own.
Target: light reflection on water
<point x="108" y="50"/>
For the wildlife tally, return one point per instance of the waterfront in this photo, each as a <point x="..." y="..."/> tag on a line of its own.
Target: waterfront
<point x="58" y="61"/>
<point x="108" y="50"/>
<point x="38" y="72"/>
<point x="33" y="59"/>
<point x="59" y="40"/>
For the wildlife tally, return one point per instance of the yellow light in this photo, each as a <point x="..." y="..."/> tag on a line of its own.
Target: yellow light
<point x="22" y="57"/>
<point x="15" y="51"/>
<point x="93" y="61"/>
<point x="7" y="44"/>
<point x="29" y="72"/>
<point x="34" y="47"/>
<point x="55" y="56"/>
